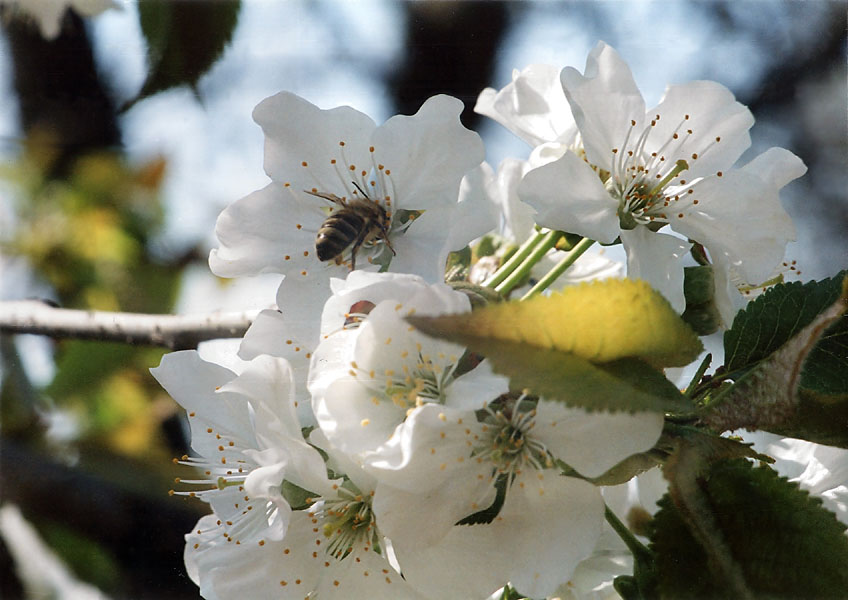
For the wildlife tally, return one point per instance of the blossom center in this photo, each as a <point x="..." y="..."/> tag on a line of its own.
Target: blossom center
<point x="508" y="442"/>
<point x="647" y="184"/>
<point x="360" y="213"/>
<point x="422" y="379"/>
<point x="347" y="521"/>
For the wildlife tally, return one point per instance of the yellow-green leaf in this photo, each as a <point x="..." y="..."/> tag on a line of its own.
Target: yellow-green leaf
<point x="600" y="322"/>
<point x="627" y="384"/>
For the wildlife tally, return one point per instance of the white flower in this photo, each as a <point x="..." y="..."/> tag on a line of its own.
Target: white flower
<point x="48" y="14"/>
<point x="255" y="544"/>
<point x="445" y="464"/>
<point x="246" y="434"/>
<point x="332" y="549"/>
<point x="372" y="367"/>
<point x="390" y="397"/>
<point x="410" y="168"/>
<point x="640" y="170"/>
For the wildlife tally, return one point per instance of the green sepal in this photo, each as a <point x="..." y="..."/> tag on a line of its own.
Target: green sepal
<point x="478" y="295"/>
<point x="701" y="312"/>
<point x="297" y="497"/>
<point x="458" y="264"/>
<point x="568" y="241"/>
<point x="488" y="514"/>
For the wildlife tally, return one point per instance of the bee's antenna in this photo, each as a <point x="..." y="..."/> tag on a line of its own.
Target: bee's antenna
<point x="361" y="191"/>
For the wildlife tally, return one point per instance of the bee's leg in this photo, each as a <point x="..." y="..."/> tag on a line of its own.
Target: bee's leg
<point x="360" y="239"/>
<point x="384" y="233"/>
<point x="331" y="197"/>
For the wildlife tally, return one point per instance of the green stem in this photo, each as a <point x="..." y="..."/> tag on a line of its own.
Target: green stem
<point x="693" y="384"/>
<point x="569" y="259"/>
<point x="637" y="548"/>
<point x="516" y="259"/>
<point x="723" y="394"/>
<point x="549" y="240"/>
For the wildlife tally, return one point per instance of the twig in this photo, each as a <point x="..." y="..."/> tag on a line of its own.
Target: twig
<point x="175" y="332"/>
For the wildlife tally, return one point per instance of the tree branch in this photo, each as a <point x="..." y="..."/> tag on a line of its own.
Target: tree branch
<point x="175" y="332"/>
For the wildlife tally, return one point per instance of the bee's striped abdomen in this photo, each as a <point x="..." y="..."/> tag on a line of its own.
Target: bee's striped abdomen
<point x="337" y="233"/>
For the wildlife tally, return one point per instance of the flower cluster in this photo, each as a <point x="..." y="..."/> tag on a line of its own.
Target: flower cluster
<point x="356" y="457"/>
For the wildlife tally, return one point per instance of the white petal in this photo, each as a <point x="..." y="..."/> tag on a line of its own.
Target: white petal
<point x="604" y="101"/>
<point x="657" y="258"/>
<point x="424" y="518"/>
<point x="193" y="383"/>
<point x="518" y="216"/>
<point x="226" y="570"/>
<point x="740" y="215"/>
<point x="351" y="420"/>
<point x="542" y="532"/>
<point x="568" y="196"/>
<point x="427" y="154"/>
<point x="592" y="443"/>
<point x="387" y="343"/>
<point x="589" y="267"/>
<point x="267" y="232"/>
<point x="266" y="483"/>
<point x="475" y="389"/>
<point x="475" y="215"/>
<point x="364" y="574"/>
<point x="342" y="462"/>
<point x="298" y="299"/>
<point x="433" y="445"/>
<point x="728" y="299"/>
<point x="266" y="335"/>
<point x="532" y="106"/>
<point x="365" y="286"/>
<point x="270" y="334"/>
<point x="423" y="249"/>
<point x="712" y="113"/>
<point x="462" y="566"/>
<point x="776" y="167"/>
<point x="551" y="538"/>
<point x="267" y="382"/>
<point x="297" y="131"/>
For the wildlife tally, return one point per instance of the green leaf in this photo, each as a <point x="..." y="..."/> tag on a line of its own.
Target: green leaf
<point x="627" y="384"/>
<point x="771" y="320"/>
<point x="184" y="39"/>
<point x="594" y="346"/>
<point x="747" y="533"/>
<point x="600" y="322"/>
<point x="788" y="353"/>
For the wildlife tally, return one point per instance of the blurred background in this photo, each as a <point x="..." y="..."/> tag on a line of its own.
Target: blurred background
<point x="123" y="137"/>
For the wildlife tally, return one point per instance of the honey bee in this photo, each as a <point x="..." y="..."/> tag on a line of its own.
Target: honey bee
<point x="356" y="222"/>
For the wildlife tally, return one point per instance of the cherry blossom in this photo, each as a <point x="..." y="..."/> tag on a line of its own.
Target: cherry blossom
<point x="636" y="171"/>
<point x="256" y="544"/>
<point x="442" y="447"/>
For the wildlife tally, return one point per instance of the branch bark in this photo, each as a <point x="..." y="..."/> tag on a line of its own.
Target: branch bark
<point x="175" y="332"/>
